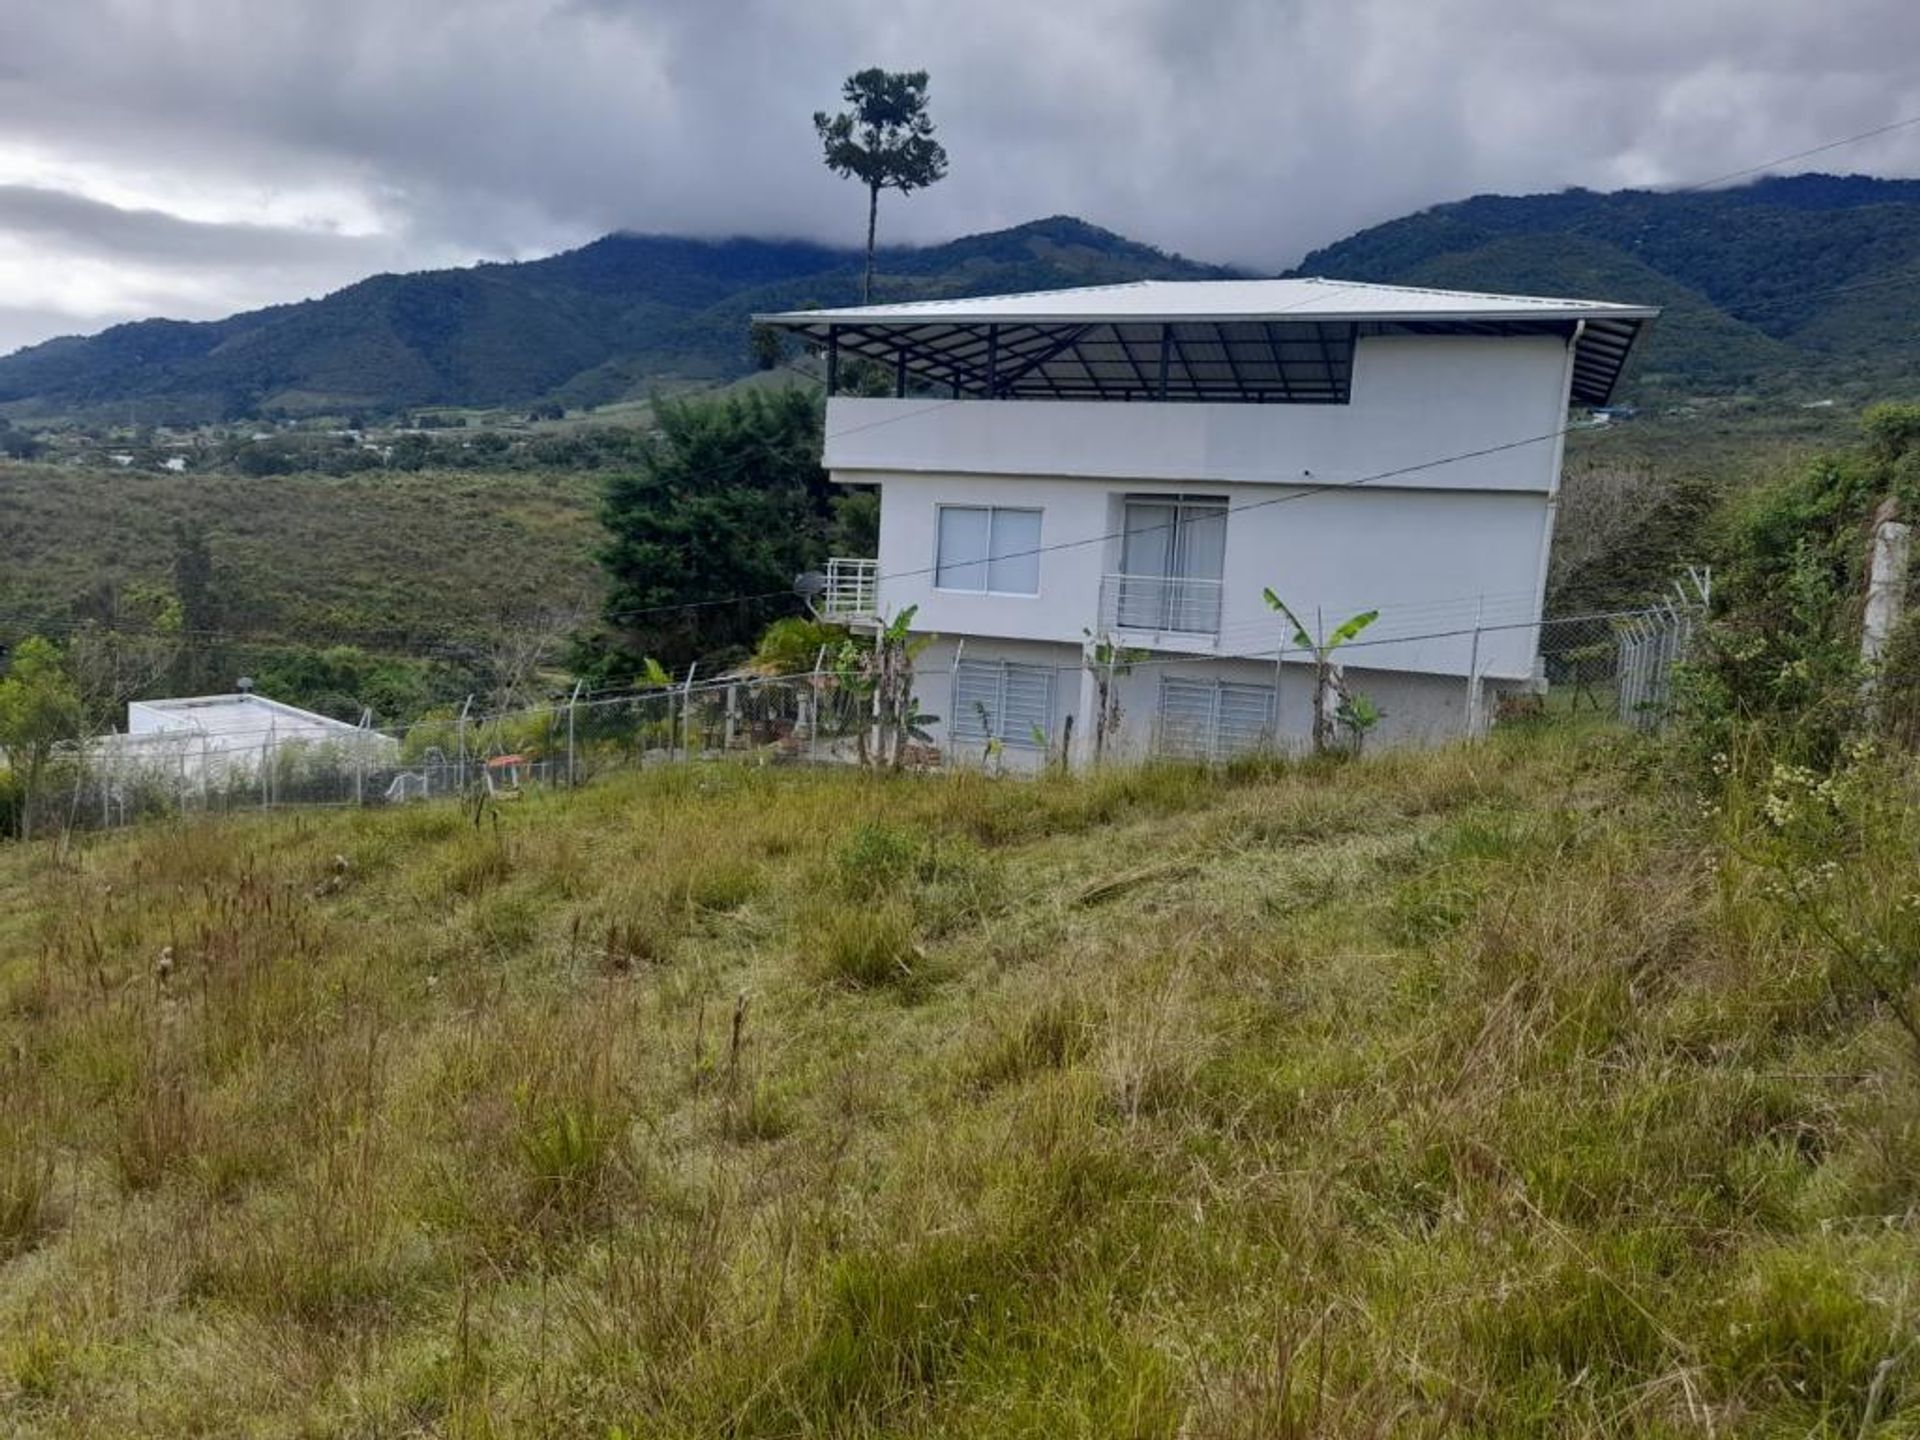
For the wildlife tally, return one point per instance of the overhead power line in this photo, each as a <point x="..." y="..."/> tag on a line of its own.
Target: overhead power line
<point x="1840" y="144"/>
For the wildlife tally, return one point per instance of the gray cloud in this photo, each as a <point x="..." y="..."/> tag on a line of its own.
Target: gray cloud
<point x="297" y="145"/>
<point x="78" y="225"/>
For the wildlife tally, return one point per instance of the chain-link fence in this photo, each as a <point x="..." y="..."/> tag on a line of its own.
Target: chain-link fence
<point x="1614" y="666"/>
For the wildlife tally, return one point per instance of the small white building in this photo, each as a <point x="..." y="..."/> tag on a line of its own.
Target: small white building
<point x="222" y="740"/>
<point x="1139" y="462"/>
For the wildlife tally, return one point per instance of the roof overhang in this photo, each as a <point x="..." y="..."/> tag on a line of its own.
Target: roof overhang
<point x="1295" y="345"/>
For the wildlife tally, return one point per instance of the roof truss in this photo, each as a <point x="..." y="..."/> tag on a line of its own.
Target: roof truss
<point x="1257" y="361"/>
<point x="1308" y="362"/>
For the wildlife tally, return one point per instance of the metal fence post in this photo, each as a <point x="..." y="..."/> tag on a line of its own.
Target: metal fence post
<point x="360" y="757"/>
<point x="266" y="769"/>
<point x="460" y="773"/>
<point x="953" y="695"/>
<point x="1279" y="726"/>
<point x="573" y="703"/>
<point x="733" y="708"/>
<point x="686" y="716"/>
<point x="815" y="702"/>
<point x="1473" y="672"/>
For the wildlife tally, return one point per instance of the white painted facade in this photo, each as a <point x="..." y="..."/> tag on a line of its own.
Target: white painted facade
<point x="1428" y="495"/>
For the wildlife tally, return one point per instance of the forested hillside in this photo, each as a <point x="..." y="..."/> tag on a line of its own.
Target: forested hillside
<point x="611" y="319"/>
<point x="1804" y="287"/>
<point x="1788" y="285"/>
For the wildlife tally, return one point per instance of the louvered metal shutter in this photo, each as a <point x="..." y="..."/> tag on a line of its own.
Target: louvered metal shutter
<point x="1185" y="728"/>
<point x="1212" y="720"/>
<point x="1245" y="722"/>
<point x="1027" y="703"/>
<point x="976" y="700"/>
<point x="993" y="700"/>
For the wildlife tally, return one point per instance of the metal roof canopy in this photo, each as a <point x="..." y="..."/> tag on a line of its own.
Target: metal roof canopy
<point x="1254" y="341"/>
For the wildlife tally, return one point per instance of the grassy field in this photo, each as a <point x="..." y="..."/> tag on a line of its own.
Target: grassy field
<point x="382" y="560"/>
<point x="1505" y="1090"/>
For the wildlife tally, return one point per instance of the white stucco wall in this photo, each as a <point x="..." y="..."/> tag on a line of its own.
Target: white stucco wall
<point x="1429" y="561"/>
<point x="1415" y="399"/>
<point x="1440" y="551"/>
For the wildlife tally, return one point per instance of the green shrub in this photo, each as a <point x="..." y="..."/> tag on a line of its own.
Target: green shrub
<point x="877" y="860"/>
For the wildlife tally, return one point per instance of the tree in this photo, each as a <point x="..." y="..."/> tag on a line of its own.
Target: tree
<point x="39" y="711"/>
<point x="794" y="644"/>
<point x="729" y="499"/>
<point x="16" y="444"/>
<point x="125" y="640"/>
<point x="885" y="141"/>
<point x="523" y="643"/>
<point x="199" y="610"/>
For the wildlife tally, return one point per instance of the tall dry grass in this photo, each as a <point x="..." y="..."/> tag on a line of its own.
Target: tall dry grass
<point x="1506" y="1090"/>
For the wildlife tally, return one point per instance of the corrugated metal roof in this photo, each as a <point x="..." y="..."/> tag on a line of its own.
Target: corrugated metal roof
<point x="1202" y="300"/>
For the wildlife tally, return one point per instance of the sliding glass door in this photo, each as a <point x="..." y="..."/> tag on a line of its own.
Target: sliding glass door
<point x="1171" y="553"/>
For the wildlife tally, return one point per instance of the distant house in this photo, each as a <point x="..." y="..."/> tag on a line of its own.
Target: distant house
<point x="217" y="740"/>
<point x="1137" y="462"/>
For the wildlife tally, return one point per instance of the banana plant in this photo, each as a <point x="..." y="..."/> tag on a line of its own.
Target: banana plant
<point x="882" y="675"/>
<point x="1358" y="715"/>
<point x="1335" y="707"/>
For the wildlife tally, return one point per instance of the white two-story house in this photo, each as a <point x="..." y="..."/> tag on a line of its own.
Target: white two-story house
<point x="1137" y="463"/>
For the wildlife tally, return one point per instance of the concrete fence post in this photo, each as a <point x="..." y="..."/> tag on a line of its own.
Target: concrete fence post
<point x="1887" y="557"/>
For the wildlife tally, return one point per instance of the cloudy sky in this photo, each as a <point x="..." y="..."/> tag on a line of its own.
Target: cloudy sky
<point x="194" y="157"/>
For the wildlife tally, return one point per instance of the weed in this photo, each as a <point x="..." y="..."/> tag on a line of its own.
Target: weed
<point x="867" y="948"/>
<point x="26" y="1196"/>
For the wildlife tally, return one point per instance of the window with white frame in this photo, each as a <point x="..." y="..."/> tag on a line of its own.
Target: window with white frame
<point x="988" y="549"/>
<point x="999" y="700"/>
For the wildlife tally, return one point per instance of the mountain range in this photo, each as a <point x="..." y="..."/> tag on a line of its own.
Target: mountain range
<point x="1787" y="286"/>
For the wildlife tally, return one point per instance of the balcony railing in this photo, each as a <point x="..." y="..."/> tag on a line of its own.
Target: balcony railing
<point x="1161" y="606"/>
<point x="853" y="590"/>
